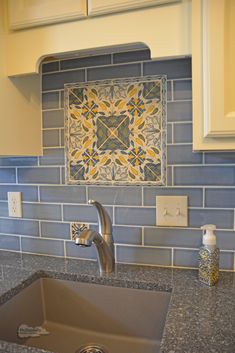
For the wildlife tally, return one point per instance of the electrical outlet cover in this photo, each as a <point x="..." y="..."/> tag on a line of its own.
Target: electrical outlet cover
<point x="14" y="204"/>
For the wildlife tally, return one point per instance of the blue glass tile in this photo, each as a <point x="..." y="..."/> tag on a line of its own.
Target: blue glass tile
<point x="18" y="226"/>
<point x="51" y="138"/>
<point x="223" y="219"/>
<point x="43" y="246"/>
<point x="172" y="237"/>
<point x="78" y="63"/>
<point x="55" y="230"/>
<point x="117" y="71"/>
<point x="53" y="119"/>
<point x="226" y="260"/>
<point x="7" y="175"/>
<point x="179" y="111"/>
<point x="52" y="156"/>
<point x="144" y="255"/>
<point x="65" y="194"/>
<point x="183" y="154"/>
<point x="204" y="175"/>
<point x="57" y="80"/>
<point x="135" y="55"/>
<point x="29" y="193"/>
<point x="39" y="175"/>
<point x="83" y="213"/>
<point x="178" y="68"/>
<point x="127" y="235"/>
<point x="116" y="195"/>
<point x="220" y="198"/>
<point x="18" y="161"/>
<point x="194" y="195"/>
<point x="183" y="133"/>
<point x="182" y="89"/>
<point x="50" y="100"/>
<point x="42" y="211"/>
<point x="50" y="67"/>
<point x="220" y="158"/>
<point x="135" y="216"/>
<point x="9" y="242"/>
<point x="185" y="258"/>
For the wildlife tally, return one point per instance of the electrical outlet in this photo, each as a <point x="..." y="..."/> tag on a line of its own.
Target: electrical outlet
<point x="172" y="211"/>
<point x="14" y="204"/>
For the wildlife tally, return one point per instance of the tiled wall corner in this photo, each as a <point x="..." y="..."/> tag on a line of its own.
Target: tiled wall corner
<point x="49" y="205"/>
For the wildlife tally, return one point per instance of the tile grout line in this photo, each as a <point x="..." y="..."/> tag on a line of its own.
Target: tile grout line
<point x="172" y="90"/>
<point x="40" y="229"/>
<point x="172" y="134"/>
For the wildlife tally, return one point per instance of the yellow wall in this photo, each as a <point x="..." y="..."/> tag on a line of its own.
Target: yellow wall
<point x="20" y="116"/>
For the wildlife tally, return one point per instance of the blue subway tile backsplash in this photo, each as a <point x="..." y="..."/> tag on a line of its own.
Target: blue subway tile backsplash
<point x="174" y="69"/>
<point x="56" y="81"/>
<point x="9" y="242"/>
<point x="39" y="175"/>
<point x="49" y="205"/>
<point x="18" y="226"/>
<point x="78" y="63"/>
<point x="114" y="71"/>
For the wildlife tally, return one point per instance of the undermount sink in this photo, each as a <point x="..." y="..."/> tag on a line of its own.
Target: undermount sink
<point x="79" y="315"/>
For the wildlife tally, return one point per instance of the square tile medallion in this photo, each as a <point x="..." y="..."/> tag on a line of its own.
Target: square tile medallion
<point x="116" y="131"/>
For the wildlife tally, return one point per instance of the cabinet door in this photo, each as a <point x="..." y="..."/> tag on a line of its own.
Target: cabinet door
<point x="100" y="7"/>
<point x="213" y="70"/>
<point x="30" y="13"/>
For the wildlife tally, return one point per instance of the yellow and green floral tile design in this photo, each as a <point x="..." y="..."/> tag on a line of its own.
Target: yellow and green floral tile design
<point x="116" y="131"/>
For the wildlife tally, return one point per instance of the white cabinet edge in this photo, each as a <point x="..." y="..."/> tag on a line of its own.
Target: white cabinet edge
<point x="210" y="129"/>
<point x="100" y="7"/>
<point x="17" y="20"/>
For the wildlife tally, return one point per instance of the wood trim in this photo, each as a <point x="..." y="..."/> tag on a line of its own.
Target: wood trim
<point x="52" y="12"/>
<point x="218" y="121"/>
<point x="100" y="7"/>
<point x="102" y="32"/>
<point x="213" y="128"/>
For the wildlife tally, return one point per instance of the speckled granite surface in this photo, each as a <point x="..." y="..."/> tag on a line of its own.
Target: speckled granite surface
<point x="200" y="319"/>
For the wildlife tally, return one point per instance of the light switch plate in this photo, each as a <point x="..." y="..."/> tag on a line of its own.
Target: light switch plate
<point x="172" y="211"/>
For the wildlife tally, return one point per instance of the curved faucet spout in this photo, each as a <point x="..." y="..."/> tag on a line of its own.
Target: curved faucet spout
<point x="105" y="225"/>
<point x="103" y="240"/>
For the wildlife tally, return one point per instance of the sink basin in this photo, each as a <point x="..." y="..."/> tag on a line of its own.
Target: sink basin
<point x="77" y="315"/>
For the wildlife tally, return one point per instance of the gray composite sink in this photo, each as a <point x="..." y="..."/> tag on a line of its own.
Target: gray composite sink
<point x="76" y="315"/>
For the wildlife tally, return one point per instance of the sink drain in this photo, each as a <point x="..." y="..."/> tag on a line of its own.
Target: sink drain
<point x="91" y="348"/>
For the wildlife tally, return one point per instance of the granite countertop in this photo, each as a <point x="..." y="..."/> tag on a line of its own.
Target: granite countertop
<point x="200" y="319"/>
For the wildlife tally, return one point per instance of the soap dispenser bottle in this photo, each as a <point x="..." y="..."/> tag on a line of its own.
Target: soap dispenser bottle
<point x="209" y="256"/>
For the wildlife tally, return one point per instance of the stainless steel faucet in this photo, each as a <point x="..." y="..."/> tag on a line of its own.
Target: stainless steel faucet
<point x="102" y="240"/>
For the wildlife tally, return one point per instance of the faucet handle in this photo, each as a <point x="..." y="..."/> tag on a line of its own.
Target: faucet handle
<point x="105" y="225"/>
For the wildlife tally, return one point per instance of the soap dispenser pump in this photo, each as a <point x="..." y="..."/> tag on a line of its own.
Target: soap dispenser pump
<point x="209" y="256"/>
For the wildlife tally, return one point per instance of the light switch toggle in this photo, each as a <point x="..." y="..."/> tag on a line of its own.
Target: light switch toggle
<point x="164" y="212"/>
<point x="172" y="211"/>
<point x="177" y="212"/>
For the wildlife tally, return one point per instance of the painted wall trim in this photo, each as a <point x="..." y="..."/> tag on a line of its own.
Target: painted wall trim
<point x="166" y="30"/>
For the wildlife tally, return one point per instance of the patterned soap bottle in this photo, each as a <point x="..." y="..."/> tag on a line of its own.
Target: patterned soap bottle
<point x="209" y="256"/>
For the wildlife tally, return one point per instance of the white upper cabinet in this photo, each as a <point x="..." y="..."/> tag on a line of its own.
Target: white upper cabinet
<point x="32" y="13"/>
<point x="213" y="69"/>
<point x="100" y="7"/>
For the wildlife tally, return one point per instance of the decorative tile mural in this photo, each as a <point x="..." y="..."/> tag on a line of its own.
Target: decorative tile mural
<point x="116" y="131"/>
